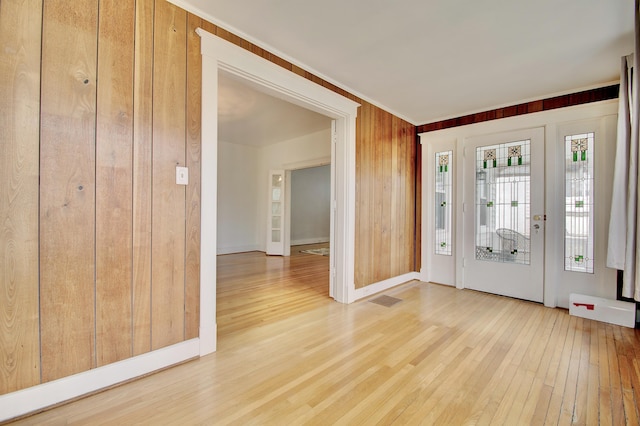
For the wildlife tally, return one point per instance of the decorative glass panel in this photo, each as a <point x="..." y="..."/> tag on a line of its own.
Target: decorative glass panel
<point x="579" y="203"/>
<point x="443" y="194"/>
<point x="275" y="222"/>
<point x="503" y="179"/>
<point x="276" y="181"/>
<point x="275" y="236"/>
<point x="275" y="209"/>
<point x="275" y="194"/>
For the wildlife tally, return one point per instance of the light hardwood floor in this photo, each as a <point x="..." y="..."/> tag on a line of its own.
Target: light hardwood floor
<point x="288" y="355"/>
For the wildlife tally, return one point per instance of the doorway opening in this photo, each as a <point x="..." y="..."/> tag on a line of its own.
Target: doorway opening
<point x="220" y="55"/>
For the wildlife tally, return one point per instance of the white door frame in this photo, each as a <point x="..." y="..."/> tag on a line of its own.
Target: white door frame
<point x="218" y="54"/>
<point x="290" y="167"/>
<point x="555" y="290"/>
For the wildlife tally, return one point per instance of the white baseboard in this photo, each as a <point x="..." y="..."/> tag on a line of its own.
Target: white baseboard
<point x="309" y="241"/>
<point x="361" y="293"/>
<point x="208" y="339"/>
<point x="37" y="397"/>
<point x="239" y="249"/>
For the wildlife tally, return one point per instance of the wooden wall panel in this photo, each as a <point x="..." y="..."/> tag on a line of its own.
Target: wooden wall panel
<point x="168" y="213"/>
<point x="114" y="177"/>
<point x="418" y="205"/>
<point x="562" y="101"/>
<point x="67" y="196"/>
<point x="385" y="196"/>
<point x="142" y="149"/>
<point x="112" y="238"/>
<point x="194" y="113"/>
<point x="20" y="25"/>
<point x="364" y="248"/>
<point x="382" y="197"/>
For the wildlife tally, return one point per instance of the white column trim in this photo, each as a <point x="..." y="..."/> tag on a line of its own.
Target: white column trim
<point x="220" y="55"/>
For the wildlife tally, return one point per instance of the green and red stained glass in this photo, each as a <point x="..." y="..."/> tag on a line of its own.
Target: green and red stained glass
<point x="579" y="146"/>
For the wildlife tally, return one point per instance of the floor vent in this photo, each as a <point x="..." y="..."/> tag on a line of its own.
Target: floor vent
<point x="387" y="301"/>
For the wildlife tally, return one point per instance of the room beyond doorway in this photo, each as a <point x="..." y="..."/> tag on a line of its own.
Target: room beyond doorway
<point x="255" y="289"/>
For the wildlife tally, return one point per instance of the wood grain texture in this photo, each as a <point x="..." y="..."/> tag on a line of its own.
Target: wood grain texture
<point x="584" y="97"/>
<point x="20" y="27"/>
<point x="168" y="213"/>
<point x="73" y="222"/>
<point x="193" y="156"/>
<point x="142" y="164"/>
<point x="418" y="205"/>
<point x="385" y="196"/>
<point x="287" y="354"/>
<point x="114" y="177"/>
<point x="67" y="197"/>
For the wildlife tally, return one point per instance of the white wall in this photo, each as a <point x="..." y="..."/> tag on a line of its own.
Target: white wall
<point x="305" y="151"/>
<point x="558" y="284"/>
<point x="243" y="185"/>
<point x="238" y="196"/>
<point x="310" y="205"/>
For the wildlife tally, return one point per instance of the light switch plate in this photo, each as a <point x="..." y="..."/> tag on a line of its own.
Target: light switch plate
<point x="182" y="175"/>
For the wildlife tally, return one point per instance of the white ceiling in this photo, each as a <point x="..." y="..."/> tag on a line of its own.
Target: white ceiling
<point x="427" y="60"/>
<point x="247" y="116"/>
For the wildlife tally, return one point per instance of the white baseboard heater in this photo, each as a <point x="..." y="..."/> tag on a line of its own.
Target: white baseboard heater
<point x="605" y="310"/>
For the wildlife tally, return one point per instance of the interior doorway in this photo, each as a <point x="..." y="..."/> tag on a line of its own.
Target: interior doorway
<point x="310" y="205"/>
<point x="217" y="55"/>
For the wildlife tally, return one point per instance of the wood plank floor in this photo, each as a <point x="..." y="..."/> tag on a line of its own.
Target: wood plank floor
<point x="288" y="355"/>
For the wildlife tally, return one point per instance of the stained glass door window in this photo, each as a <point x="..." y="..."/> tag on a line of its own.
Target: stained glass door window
<point x="579" y="203"/>
<point x="443" y="199"/>
<point x="502" y="202"/>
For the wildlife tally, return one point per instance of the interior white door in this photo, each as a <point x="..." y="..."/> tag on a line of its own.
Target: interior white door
<point x="504" y="214"/>
<point x="276" y="209"/>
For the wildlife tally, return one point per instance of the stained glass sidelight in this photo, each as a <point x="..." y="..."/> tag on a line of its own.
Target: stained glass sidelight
<point x="503" y="179"/>
<point x="579" y="203"/>
<point x="443" y="193"/>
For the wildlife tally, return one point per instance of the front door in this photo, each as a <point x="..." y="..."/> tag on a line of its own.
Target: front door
<point x="504" y="214"/>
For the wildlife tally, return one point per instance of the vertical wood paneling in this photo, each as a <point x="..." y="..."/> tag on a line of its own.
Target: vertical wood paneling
<point x="382" y="239"/>
<point x="168" y="214"/>
<point x="118" y="249"/>
<point x="67" y="196"/>
<point x="364" y="196"/>
<point x="385" y="196"/>
<point x="114" y="176"/>
<point x="142" y="149"/>
<point x="562" y="101"/>
<point x="397" y="196"/>
<point x="20" y="25"/>
<point x="194" y="112"/>
<point x="417" y="189"/>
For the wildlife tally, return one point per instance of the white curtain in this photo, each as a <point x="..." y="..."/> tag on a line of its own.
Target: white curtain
<point x="624" y="247"/>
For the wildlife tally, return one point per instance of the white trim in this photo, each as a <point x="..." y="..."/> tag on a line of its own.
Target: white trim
<point x="315" y="162"/>
<point x="45" y="395"/>
<point x="385" y="285"/>
<point x="446" y="267"/>
<point x="550" y="120"/>
<point x="239" y="249"/>
<point x="305" y="241"/>
<point x="220" y="55"/>
<point x="186" y="5"/>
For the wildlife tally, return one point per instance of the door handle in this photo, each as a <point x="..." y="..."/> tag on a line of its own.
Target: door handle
<point x="536" y="226"/>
